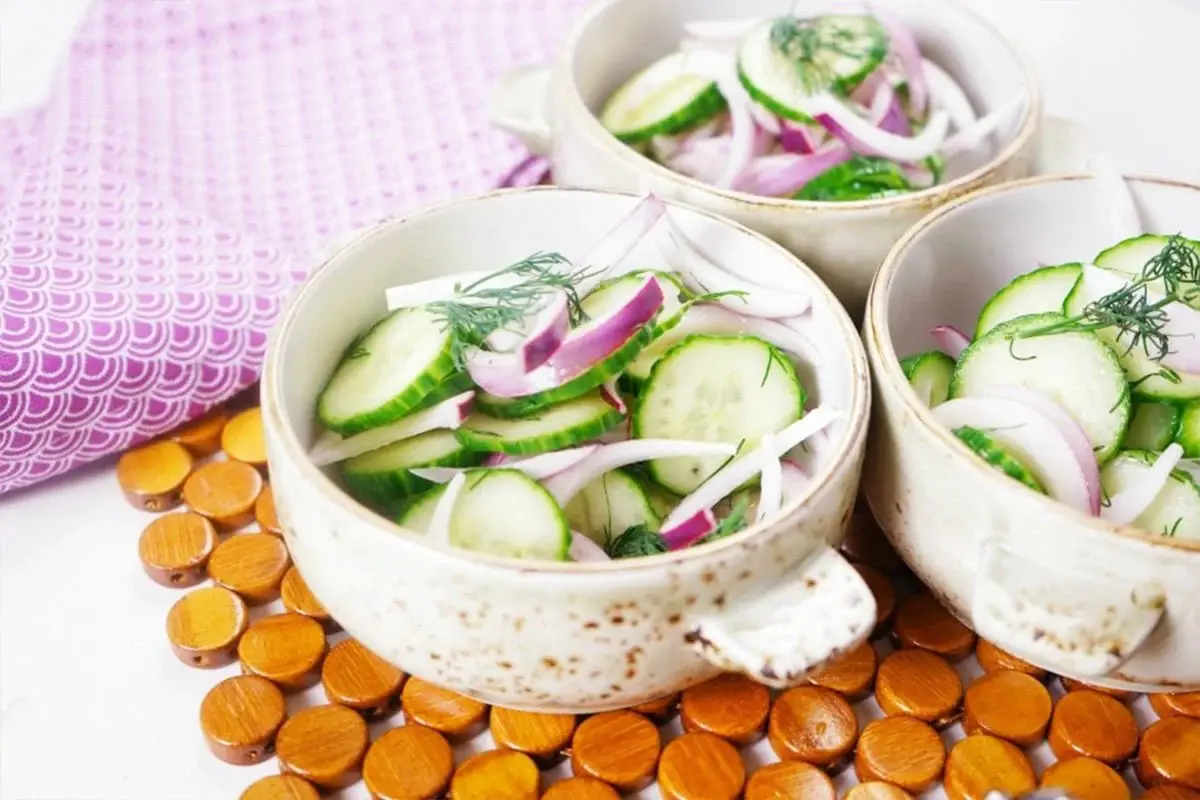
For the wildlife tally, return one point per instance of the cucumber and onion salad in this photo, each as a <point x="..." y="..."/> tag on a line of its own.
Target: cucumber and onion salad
<point x="829" y="107"/>
<point x="1082" y="381"/>
<point x="582" y="412"/>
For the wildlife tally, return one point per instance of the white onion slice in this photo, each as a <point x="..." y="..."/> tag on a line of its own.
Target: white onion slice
<point x="972" y="136"/>
<point x="845" y="123"/>
<point x="795" y="479"/>
<point x="718" y="319"/>
<point x="539" y="467"/>
<point x="721" y="30"/>
<point x="616" y="244"/>
<point x="331" y="448"/>
<point x="690" y="531"/>
<point x="904" y="46"/>
<point x="945" y="93"/>
<point x="742" y="127"/>
<point x="770" y="488"/>
<point x="585" y="551"/>
<point x="540" y="333"/>
<point x="612" y="395"/>
<point x="1126" y="222"/>
<point x="606" y="458"/>
<point x="950" y="340"/>
<point x="439" y="524"/>
<point x="1126" y="506"/>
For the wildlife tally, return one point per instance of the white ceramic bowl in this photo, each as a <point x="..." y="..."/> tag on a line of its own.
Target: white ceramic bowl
<point x="1068" y="592"/>
<point x="553" y="110"/>
<point x="773" y="601"/>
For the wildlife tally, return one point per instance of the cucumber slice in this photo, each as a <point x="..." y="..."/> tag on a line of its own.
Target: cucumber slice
<point x="456" y="384"/>
<point x="503" y="512"/>
<point x="1041" y="291"/>
<point x="1175" y="512"/>
<point x="929" y="374"/>
<point x="732" y="389"/>
<point x="610" y="505"/>
<point x="417" y="515"/>
<point x="782" y="61"/>
<point x="1130" y="256"/>
<point x="615" y="292"/>
<point x="1076" y="369"/>
<point x="1188" y="433"/>
<point x="383" y="476"/>
<point x="663" y="99"/>
<point x="1152" y="426"/>
<point x="387" y="372"/>
<point x="860" y="178"/>
<point x="994" y="453"/>
<point x="563" y="425"/>
<point x="662" y="501"/>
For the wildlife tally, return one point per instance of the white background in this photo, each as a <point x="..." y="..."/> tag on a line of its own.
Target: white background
<point x="93" y="704"/>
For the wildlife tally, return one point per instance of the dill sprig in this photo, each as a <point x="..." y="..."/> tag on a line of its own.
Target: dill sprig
<point x="804" y="44"/>
<point x="736" y="520"/>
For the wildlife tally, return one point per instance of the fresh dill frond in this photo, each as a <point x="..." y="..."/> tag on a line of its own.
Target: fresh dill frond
<point x="809" y="45"/>
<point x="635" y="541"/>
<point x="736" y="520"/>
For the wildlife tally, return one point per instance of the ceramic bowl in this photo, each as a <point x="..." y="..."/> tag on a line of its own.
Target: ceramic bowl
<point x="553" y="110"/>
<point x="773" y="601"/>
<point x="1073" y="594"/>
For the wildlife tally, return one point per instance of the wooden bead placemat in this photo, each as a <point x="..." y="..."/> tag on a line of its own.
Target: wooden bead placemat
<point x="306" y="712"/>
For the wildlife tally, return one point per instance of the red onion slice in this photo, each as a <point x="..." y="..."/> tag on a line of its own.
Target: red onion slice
<point x="542" y="334"/>
<point x="606" y="458"/>
<point x="690" y="531"/>
<point x="1126" y="506"/>
<point x="770" y="488"/>
<point x="585" y="551"/>
<point x="743" y="128"/>
<point x="331" y="448"/>
<point x="612" y="395"/>
<point x="950" y="340"/>
<point x="619" y="241"/>
<point x="796" y="138"/>
<point x="439" y="524"/>
<point x="795" y="479"/>
<point x="903" y="44"/>
<point x="784" y="174"/>
<point x="863" y="137"/>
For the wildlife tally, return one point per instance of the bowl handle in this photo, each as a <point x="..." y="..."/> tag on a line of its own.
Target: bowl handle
<point x="520" y="105"/>
<point x="1073" y="624"/>
<point x="778" y="637"/>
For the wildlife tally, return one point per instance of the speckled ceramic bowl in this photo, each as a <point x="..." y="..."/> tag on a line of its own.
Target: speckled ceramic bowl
<point x="774" y="601"/>
<point x="1080" y="597"/>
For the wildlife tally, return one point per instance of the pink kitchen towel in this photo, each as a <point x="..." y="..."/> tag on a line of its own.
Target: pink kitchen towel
<point x="194" y="160"/>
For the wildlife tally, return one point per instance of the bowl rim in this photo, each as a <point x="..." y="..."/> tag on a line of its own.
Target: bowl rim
<point x="980" y="176"/>
<point x="879" y="341"/>
<point x="842" y="456"/>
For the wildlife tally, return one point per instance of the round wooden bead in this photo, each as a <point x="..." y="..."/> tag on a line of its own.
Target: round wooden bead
<point x="454" y="715"/>
<point x="284" y="648"/>
<point x="323" y="744"/>
<point x="354" y="677"/>
<point x="174" y="549"/>
<point x="1180" y="704"/>
<point x="202" y="437"/>
<point x="851" y="674"/>
<point x="992" y="658"/>
<point x="618" y="747"/>
<point x="662" y="710"/>
<point x="251" y="564"/>
<point x="280" y="787"/>
<point x="1085" y="779"/>
<point x="874" y="790"/>
<point x="408" y="763"/>
<point x="920" y="684"/>
<point x="903" y="751"/>
<point x="921" y="621"/>
<point x="813" y="724"/>
<point x="224" y="491"/>
<point x="1087" y="723"/>
<point x="885" y="596"/>
<point x="700" y="766"/>
<point x="581" y="788"/>
<point x="242" y="440"/>
<point x="790" y="779"/>
<point x="730" y="705"/>
<point x="865" y="543"/>
<point x="298" y="599"/>
<point x="1072" y="685"/>
<point x="264" y="512"/>
<point x="204" y="626"/>
<point x="240" y="718"/>
<point x="1008" y="704"/>
<point x="1170" y="753"/>
<point x="979" y="765"/>
<point x="152" y="476"/>
<point x="542" y="736"/>
<point x="496" y="775"/>
<point x="1170" y="792"/>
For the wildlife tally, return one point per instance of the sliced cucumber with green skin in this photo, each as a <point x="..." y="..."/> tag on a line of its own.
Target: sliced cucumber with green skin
<point x="387" y="372"/>
<point x="520" y="407"/>
<point x="1175" y="512"/>
<point x="503" y="512"/>
<point x="1129" y="257"/>
<point x="417" y="515"/>
<point x="1152" y="426"/>
<point x="383" y="476"/>
<point x="564" y="425"/>
<point x="662" y="501"/>
<point x="1039" y="292"/>
<point x="995" y="454"/>
<point x="1076" y="369"/>
<point x="929" y="374"/>
<point x="609" y="505"/>
<point x="663" y="99"/>
<point x="456" y="384"/>
<point x="732" y="389"/>
<point x="615" y="292"/>
<point x="860" y="178"/>
<point x="1188" y="433"/>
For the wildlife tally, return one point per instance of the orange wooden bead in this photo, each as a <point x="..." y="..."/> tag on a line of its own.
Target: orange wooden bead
<point x="284" y="648"/>
<point x="280" y="787"/>
<point x="240" y="718"/>
<point x="408" y="763"/>
<point x="1124" y="695"/>
<point x="496" y="775"/>
<point x="865" y="543"/>
<point x="789" y="779"/>
<point x="324" y="744"/>
<point x="204" y="626"/>
<point x="920" y="684"/>
<point x="852" y="674"/>
<point x="224" y="491"/>
<point x="979" y="765"/>
<point x="874" y="790"/>
<point x="992" y="658"/>
<point x="299" y="599"/>
<point x="1086" y="779"/>
<point x="242" y="439"/>
<point x="618" y="747"/>
<point x="264" y="513"/>
<point x="454" y="715"/>
<point x="662" y="710"/>
<point x="1170" y="792"/>
<point x="813" y="724"/>
<point x="921" y="621"/>
<point x="730" y="705"/>
<point x="1087" y="723"/>
<point x="541" y="736"/>
<point x="153" y="475"/>
<point x="900" y="750"/>
<point x="175" y="548"/>
<point x="885" y="596"/>
<point x="1170" y="753"/>
<point x="1008" y="704"/>
<point x="1180" y="704"/>
<point x="700" y="766"/>
<point x="251" y="564"/>
<point x="355" y="677"/>
<point x="581" y="788"/>
<point x="202" y="437"/>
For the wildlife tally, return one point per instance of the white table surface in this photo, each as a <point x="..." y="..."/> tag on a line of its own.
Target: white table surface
<point x="93" y="706"/>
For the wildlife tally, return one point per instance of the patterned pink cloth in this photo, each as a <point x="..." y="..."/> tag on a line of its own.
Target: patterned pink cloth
<point x="193" y="162"/>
